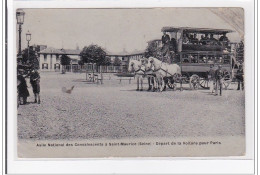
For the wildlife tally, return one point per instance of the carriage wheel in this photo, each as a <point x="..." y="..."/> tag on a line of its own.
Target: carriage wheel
<point x="194" y="81"/>
<point x="226" y="79"/>
<point x="204" y="83"/>
<point x="171" y="84"/>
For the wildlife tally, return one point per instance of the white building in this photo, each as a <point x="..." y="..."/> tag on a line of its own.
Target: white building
<point x="50" y="58"/>
<point x="125" y="56"/>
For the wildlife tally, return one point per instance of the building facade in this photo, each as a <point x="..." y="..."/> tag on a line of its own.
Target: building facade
<point x="50" y="58"/>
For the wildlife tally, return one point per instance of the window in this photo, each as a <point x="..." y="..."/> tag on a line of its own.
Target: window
<point x="219" y="59"/>
<point x="203" y="59"/>
<point x="44" y="66"/>
<point x="226" y="59"/>
<point x="211" y="60"/>
<point x="57" y="66"/>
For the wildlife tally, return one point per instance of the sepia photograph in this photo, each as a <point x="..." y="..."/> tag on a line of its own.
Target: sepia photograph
<point x="130" y="82"/>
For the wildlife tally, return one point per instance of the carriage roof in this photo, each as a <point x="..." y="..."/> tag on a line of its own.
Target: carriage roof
<point x="196" y="30"/>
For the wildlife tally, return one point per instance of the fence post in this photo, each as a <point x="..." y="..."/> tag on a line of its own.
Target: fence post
<point x="101" y="78"/>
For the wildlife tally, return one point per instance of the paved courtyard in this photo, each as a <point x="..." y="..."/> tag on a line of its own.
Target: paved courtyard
<point x="113" y="110"/>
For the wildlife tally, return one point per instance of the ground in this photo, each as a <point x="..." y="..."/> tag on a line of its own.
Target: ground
<point x="115" y="110"/>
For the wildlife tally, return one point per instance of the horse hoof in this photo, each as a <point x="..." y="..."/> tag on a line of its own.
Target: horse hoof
<point x="137" y="89"/>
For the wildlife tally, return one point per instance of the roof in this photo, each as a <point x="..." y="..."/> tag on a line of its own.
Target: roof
<point x="124" y="53"/>
<point x="51" y="50"/>
<point x="196" y="30"/>
<point x="153" y="40"/>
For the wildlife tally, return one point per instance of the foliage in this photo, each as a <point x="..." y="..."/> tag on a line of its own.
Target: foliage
<point x="93" y="54"/>
<point x="80" y="62"/>
<point x="107" y="61"/>
<point x="152" y="50"/>
<point x="32" y="59"/>
<point x="117" y="62"/>
<point x="65" y="60"/>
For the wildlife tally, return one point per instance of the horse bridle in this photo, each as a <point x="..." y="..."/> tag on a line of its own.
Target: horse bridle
<point x="132" y="65"/>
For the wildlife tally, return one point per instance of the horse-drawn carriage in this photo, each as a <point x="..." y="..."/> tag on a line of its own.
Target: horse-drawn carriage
<point x="195" y="56"/>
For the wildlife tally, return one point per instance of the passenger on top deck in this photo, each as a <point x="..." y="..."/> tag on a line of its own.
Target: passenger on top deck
<point x="195" y="39"/>
<point x="205" y="40"/>
<point x="213" y="41"/>
<point x="185" y="39"/>
<point x="224" y="38"/>
<point x="201" y="40"/>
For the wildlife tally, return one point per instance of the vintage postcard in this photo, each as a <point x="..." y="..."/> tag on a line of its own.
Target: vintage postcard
<point x="135" y="82"/>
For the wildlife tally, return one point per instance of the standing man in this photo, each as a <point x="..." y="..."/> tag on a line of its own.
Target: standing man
<point x="35" y="82"/>
<point x="211" y="78"/>
<point x="240" y="77"/>
<point x="218" y="78"/>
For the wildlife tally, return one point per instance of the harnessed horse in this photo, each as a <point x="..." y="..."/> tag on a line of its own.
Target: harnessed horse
<point x="139" y="70"/>
<point x="165" y="71"/>
<point x="152" y="81"/>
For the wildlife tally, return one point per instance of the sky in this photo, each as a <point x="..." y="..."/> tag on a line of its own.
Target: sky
<point x="113" y="29"/>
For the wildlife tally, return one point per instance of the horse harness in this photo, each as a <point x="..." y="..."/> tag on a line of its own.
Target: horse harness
<point x="160" y="68"/>
<point x="140" y="71"/>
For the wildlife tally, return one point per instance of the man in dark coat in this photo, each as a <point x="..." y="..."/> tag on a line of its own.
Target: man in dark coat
<point x="218" y="77"/>
<point x="22" y="88"/>
<point x="240" y="77"/>
<point x="35" y="82"/>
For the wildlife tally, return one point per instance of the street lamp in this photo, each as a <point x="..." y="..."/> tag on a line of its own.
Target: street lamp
<point x="20" y="19"/>
<point x="28" y="38"/>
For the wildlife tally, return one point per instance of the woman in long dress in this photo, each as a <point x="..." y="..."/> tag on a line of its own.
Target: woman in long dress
<point x="23" y="92"/>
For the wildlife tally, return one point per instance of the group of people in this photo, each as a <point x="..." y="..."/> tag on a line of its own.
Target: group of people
<point x="22" y="88"/>
<point x="188" y="38"/>
<point x="205" y="39"/>
<point x="215" y="78"/>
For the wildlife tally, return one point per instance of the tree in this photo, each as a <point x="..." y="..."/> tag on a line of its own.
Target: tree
<point x="80" y="62"/>
<point x="64" y="60"/>
<point x="107" y="61"/>
<point x="117" y="62"/>
<point x="152" y="50"/>
<point x="32" y="59"/>
<point x="93" y="54"/>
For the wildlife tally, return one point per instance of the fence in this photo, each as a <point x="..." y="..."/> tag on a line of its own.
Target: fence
<point x="95" y="69"/>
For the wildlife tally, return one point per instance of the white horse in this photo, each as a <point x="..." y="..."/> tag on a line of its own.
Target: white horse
<point x="165" y="71"/>
<point x="152" y="80"/>
<point x="139" y="69"/>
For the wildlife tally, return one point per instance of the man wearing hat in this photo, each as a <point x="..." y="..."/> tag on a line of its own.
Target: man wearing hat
<point x="35" y="82"/>
<point x="218" y="77"/>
